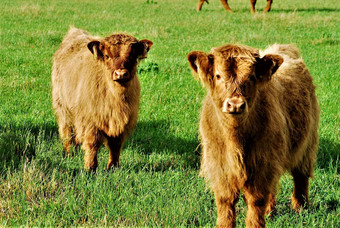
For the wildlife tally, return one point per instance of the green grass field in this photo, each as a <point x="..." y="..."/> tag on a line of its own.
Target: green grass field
<point x="158" y="183"/>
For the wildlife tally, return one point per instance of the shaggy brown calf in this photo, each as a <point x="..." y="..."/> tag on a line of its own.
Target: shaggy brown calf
<point x="227" y="8"/>
<point x="95" y="91"/>
<point x="260" y="118"/>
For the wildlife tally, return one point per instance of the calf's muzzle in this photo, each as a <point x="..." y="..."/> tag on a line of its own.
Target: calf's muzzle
<point x="121" y="74"/>
<point x="234" y="105"/>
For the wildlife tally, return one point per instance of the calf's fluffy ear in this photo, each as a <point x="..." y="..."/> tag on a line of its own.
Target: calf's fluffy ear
<point x="146" y="46"/>
<point x="267" y="66"/>
<point x="200" y="62"/>
<point x="93" y="46"/>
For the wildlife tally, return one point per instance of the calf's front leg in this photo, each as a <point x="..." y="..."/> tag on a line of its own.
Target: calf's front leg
<point x="226" y="202"/>
<point x="257" y="205"/>
<point x="65" y="132"/>
<point x="91" y="146"/>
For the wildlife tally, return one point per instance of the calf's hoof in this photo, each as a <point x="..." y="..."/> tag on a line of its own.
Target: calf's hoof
<point x="111" y="165"/>
<point x="91" y="166"/>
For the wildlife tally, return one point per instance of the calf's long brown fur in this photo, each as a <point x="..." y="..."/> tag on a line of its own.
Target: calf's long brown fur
<point x="259" y="119"/>
<point x="96" y="92"/>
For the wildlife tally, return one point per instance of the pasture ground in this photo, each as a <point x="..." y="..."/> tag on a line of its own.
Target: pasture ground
<point x="158" y="182"/>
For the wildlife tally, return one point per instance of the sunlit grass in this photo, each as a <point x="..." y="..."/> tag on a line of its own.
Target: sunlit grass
<point x="158" y="182"/>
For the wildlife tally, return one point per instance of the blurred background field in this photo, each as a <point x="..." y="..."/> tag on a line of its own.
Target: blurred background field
<point x="158" y="183"/>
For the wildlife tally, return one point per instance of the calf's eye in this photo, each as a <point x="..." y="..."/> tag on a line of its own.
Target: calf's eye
<point x="107" y="57"/>
<point x="252" y="78"/>
<point x="218" y="76"/>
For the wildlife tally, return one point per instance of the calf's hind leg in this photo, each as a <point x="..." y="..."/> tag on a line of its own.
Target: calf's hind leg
<point x="115" y="146"/>
<point x="300" y="192"/>
<point x="270" y="210"/>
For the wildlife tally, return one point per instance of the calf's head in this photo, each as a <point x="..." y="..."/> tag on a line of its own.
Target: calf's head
<point x="121" y="54"/>
<point x="233" y="74"/>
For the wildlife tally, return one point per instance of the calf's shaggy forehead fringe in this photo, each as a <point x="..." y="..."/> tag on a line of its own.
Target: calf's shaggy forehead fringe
<point x="120" y="38"/>
<point x="231" y="51"/>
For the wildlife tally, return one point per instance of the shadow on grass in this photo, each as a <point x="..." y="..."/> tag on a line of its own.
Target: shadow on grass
<point x="19" y="143"/>
<point x="22" y="143"/>
<point x="156" y="137"/>
<point x="328" y="154"/>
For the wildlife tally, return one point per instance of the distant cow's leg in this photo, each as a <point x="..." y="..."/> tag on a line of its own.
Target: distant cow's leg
<point x="200" y="3"/>
<point x="226" y="214"/>
<point x="300" y="192"/>
<point x="256" y="203"/>
<point x="226" y="5"/>
<point x="268" y="7"/>
<point x="91" y="146"/>
<point x="115" y="147"/>
<point x="252" y="2"/>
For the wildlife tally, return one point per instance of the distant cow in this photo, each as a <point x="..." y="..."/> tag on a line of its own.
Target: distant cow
<point x="96" y="92"/>
<point x="260" y="118"/>
<point x="227" y="8"/>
